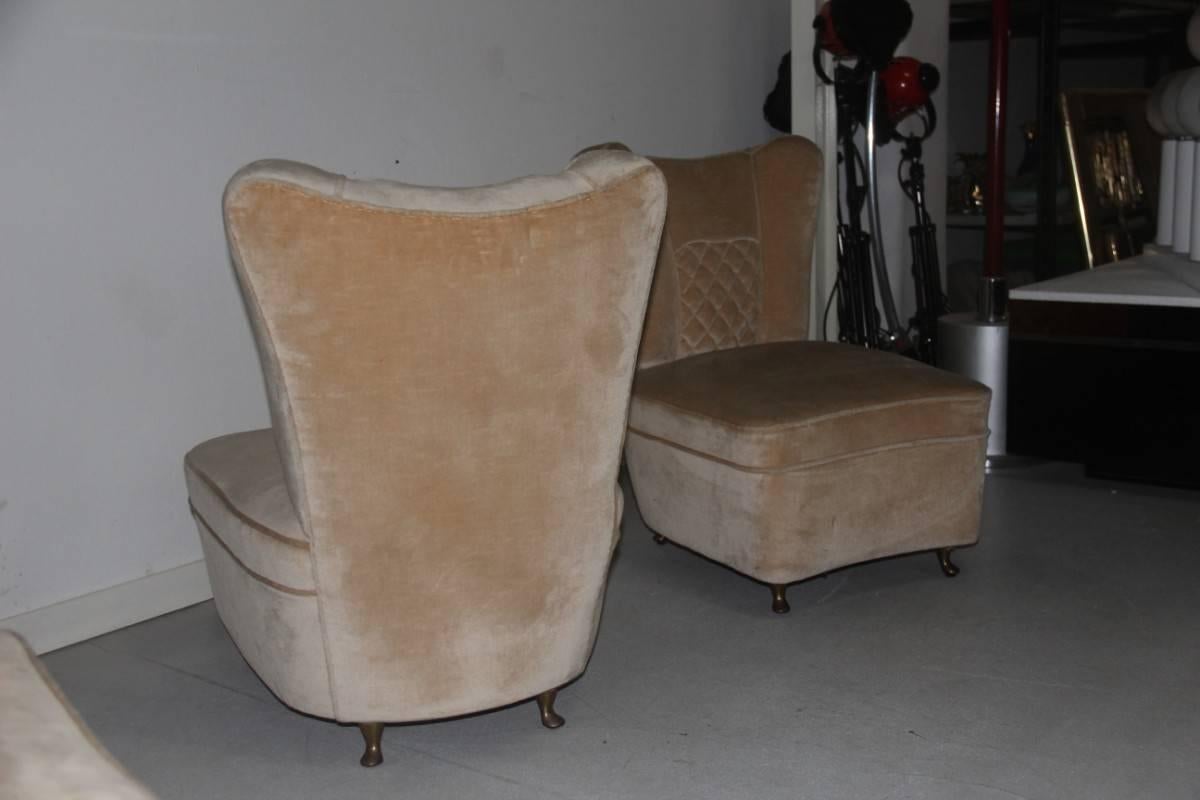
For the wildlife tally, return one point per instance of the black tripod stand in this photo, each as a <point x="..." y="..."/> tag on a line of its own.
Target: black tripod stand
<point x="927" y="280"/>
<point x="862" y="271"/>
<point x="861" y="267"/>
<point x="858" y="315"/>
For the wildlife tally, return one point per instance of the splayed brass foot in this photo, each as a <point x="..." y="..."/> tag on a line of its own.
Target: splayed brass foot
<point x="660" y="539"/>
<point x="545" y="702"/>
<point x="948" y="567"/>
<point x="372" y="733"/>
<point x="779" y="603"/>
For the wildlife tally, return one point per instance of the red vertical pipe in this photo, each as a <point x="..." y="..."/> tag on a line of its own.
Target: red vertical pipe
<point x="993" y="201"/>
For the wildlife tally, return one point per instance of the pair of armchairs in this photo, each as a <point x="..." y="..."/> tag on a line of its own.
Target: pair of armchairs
<point x="426" y="528"/>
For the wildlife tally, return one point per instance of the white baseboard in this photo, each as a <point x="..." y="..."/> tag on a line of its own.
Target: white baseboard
<point x="80" y="618"/>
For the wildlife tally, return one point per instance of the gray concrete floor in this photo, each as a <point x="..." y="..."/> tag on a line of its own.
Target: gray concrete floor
<point x="1064" y="662"/>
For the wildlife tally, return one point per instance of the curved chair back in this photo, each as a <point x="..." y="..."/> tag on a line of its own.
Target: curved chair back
<point x="449" y="375"/>
<point x="736" y="254"/>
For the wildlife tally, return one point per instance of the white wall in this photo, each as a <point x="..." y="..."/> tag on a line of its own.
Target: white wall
<point x="122" y="336"/>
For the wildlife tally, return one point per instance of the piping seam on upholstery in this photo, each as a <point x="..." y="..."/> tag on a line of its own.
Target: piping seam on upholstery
<point x="263" y="579"/>
<point x="761" y="334"/>
<point x="708" y="241"/>
<point x="808" y="464"/>
<point x="578" y="197"/>
<point x="299" y="544"/>
<point x="810" y="420"/>
<point x="306" y="511"/>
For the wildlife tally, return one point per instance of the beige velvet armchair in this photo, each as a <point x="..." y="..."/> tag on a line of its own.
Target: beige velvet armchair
<point x="46" y="750"/>
<point x="779" y="457"/>
<point x="426" y="528"/>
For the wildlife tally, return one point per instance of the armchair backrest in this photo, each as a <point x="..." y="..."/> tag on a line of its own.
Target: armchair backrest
<point x="736" y="253"/>
<point x="449" y="373"/>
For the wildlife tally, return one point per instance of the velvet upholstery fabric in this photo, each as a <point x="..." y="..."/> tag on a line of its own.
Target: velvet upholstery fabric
<point x="236" y="485"/>
<point x="448" y="374"/>
<point x="46" y="751"/>
<point x="787" y="404"/>
<point x="736" y="251"/>
<point x="778" y="457"/>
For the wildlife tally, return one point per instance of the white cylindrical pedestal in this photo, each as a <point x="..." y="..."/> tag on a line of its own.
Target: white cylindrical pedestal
<point x="1166" y="193"/>
<point x="978" y="349"/>
<point x="1194" y="229"/>
<point x="1181" y="230"/>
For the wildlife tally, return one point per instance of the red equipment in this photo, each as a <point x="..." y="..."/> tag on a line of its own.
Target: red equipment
<point x="827" y="35"/>
<point x="907" y="85"/>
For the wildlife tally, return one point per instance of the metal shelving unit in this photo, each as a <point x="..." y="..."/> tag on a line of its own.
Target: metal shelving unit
<point x="1151" y="29"/>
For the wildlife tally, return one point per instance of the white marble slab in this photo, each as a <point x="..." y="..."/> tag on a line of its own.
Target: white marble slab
<point x="1151" y="279"/>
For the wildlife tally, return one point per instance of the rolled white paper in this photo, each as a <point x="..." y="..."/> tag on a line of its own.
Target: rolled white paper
<point x="1189" y="103"/>
<point x="1166" y="192"/>
<point x="1194" y="230"/>
<point x="1166" y="170"/>
<point x="1168" y="108"/>
<point x="1193" y="34"/>
<point x="1185" y="158"/>
<point x="1154" y="109"/>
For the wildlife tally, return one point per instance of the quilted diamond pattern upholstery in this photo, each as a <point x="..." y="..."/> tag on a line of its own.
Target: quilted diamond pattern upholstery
<point x="720" y="294"/>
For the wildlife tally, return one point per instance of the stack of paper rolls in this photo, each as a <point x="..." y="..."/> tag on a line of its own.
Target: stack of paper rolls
<point x="1185" y="162"/>
<point x="1166" y="177"/>
<point x="1173" y="111"/>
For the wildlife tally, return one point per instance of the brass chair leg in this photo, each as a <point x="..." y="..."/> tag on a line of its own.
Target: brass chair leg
<point x="545" y="702"/>
<point x="948" y="566"/>
<point x="660" y="539"/>
<point x="372" y="733"/>
<point x="779" y="603"/>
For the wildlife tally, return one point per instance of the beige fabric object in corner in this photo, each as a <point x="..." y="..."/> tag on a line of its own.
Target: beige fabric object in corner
<point x="46" y="751"/>
<point x="426" y="529"/>
<point x="779" y="457"/>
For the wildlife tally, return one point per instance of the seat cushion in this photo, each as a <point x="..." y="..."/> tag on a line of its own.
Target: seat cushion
<point x="790" y="404"/>
<point x="239" y="497"/>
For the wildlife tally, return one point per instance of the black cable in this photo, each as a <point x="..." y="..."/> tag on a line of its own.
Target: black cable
<point x="828" y="304"/>
<point x="837" y="181"/>
<point x="903" y="183"/>
<point x="859" y="195"/>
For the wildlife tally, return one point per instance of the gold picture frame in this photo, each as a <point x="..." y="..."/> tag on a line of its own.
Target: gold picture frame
<point x="1113" y="155"/>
